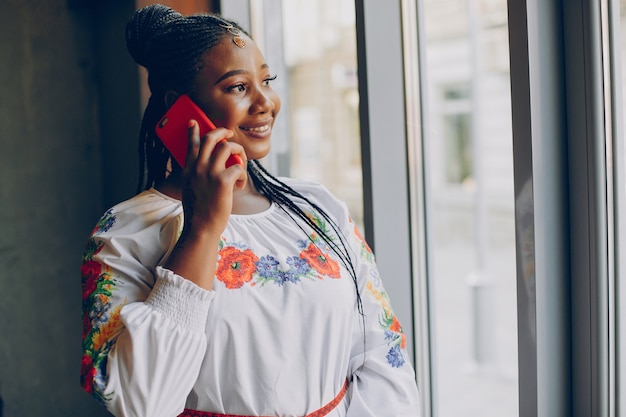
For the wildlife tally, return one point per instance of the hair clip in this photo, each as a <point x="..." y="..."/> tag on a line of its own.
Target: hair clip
<point x="239" y="40"/>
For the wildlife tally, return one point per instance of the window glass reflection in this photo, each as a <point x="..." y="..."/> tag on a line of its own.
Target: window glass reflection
<point x="320" y="53"/>
<point x="472" y="227"/>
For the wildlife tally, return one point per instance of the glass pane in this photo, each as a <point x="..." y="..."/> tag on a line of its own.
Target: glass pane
<point x="323" y="101"/>
<point x="472" y="225"/>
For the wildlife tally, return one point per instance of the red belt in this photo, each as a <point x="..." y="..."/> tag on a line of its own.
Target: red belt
<point x="317" y="413"/>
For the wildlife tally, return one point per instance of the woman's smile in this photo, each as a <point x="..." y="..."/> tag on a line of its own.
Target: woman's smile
<point x="260" y="130"/>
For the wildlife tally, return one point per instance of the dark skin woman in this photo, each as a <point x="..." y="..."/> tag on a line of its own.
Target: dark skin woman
<point x="220" y="289"/>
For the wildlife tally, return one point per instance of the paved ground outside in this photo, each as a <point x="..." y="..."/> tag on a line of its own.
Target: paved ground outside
<point x="464" y="386"/>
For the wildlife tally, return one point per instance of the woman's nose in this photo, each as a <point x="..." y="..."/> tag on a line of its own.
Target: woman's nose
<point x="262" y="102"/>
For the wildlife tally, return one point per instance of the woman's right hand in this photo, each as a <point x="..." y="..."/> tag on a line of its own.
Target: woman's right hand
<point x="207" y="184"/>
<point x="207" y="196"/>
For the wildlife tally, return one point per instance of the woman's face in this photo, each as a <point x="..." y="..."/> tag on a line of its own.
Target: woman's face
<point x="233" y="88"/>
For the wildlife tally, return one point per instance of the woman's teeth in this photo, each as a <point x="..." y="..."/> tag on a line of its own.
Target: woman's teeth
<point x="259" y="129"/>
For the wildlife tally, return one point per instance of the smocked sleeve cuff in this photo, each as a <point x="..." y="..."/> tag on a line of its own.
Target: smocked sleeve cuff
<point x="185" y="303"/>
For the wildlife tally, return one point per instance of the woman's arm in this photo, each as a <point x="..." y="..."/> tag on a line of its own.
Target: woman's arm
<point x="143" y="333"/>
<point x="143" y="327"/>
<point x="383" y="379"/>
<point x="207" y="194"/>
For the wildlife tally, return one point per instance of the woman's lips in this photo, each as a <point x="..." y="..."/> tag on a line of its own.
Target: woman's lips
<point x="260" y="130"/>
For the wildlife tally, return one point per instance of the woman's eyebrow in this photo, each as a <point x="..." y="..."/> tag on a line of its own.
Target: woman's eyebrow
<point x="230" y="74"/>
<point x="237" y="72"/>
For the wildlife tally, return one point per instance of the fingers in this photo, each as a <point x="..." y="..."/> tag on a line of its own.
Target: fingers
<point x="213" y="154"/>
<point x="193" y="144"/>
<point x="200" y="149"/>
<point x="235" y="157"/>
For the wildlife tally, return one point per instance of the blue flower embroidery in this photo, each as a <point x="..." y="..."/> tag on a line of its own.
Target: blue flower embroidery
<point x="99" y="313"/>
<point x="389" y="324"/>
<point x="267" y="267"/>
<point x="268" y="270"/>
<point x="106" y="222"/>
<point x="394" y="357"/>
<point x="299" y="267"/>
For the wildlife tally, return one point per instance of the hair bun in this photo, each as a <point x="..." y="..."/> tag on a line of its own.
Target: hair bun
<point x="145" y="24"/>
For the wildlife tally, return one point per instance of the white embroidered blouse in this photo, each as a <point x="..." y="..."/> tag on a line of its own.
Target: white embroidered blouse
<point x="278" y="335"/>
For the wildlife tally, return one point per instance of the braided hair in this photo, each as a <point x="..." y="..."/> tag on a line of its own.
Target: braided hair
<point x="170" y="46"/>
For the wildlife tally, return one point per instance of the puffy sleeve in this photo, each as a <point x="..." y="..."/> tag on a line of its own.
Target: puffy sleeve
<point x="143" y="326"/>
<point x="383" y="379"/>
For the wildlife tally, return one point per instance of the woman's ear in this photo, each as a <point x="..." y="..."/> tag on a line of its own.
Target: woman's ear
<point x="170" y="97"/>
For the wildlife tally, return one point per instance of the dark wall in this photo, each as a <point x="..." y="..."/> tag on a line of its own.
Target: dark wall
<point x="69" y="113"/>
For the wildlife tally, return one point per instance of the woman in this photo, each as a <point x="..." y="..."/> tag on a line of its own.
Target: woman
<point x="226" y="291"/>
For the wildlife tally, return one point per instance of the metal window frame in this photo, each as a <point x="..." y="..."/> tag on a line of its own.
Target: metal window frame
<point x="563" y="143"/>
<point x="394" y="185"/>
<point x="384" y="151"/>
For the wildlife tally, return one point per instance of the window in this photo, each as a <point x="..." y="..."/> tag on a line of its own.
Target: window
<point x="493" y="186"/>
<point x="471" y="228"/>
<point x="323" y="100"/>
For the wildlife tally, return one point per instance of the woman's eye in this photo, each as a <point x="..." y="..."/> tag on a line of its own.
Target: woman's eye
<point x="266" y="82"/>
<point x="237" y="88"/>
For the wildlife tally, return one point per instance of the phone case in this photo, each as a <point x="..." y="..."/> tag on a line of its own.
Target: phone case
<point x="173" y="126"/>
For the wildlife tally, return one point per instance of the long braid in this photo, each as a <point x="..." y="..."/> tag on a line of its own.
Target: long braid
<point x="277" y="191"/>
<point x="153" y="156"/>
<point x="170" y="46"/>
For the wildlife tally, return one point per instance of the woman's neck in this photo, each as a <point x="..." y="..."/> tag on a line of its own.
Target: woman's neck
<point x="246" y="201"/>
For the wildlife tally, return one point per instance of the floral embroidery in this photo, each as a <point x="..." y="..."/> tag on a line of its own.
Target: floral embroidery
<point x="101" y="321"/>
<point x="269" y="270"/>
<point x="366" y="251"/>
<point x="321" y="262"/>
<point x="395" y="337"/>
<point x="394" y="357"/>
<point x="238" y="265"/>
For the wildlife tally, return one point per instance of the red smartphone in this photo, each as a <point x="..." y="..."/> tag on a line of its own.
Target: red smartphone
<point x="173" y="126"/>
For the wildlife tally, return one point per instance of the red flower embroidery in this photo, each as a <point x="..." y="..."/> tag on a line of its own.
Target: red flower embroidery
<point x="396" y="327"/>
<point x="90" y="271"/>
<point x="321" y="262"/>
<point x="236" y="266"/>
<point x="88" y="373"/>
<point x="86" y="325"/>
<point x="359" y="236"/>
